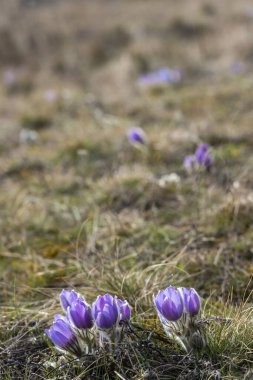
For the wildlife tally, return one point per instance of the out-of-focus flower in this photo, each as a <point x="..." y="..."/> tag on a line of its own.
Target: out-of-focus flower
<point x="191" y="299"/>
<point x="105" y="312"/>
<point x="161" y="76"/>
<point x="136" y="136"/>
<point x="237" y="68"/>
<point x="67" y="297"/>
<point x="169" y="179"/>
<point x="79" y="314"/>
<point x="28" y="136"/>
<point x="124" y="310"/>
<point x="62" y="335"/>
<point x="190" y="163"/>
<point x="169" y="303"/>
<point x="203" y="156"/>
<point x="50" y="95"/>
<point x="10" y="77"/>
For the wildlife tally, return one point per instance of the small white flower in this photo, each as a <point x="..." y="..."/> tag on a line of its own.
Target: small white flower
<point x="28" y="136"/>
<point x="169" y="179"/>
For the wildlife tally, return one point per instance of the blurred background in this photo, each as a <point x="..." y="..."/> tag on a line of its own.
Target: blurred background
<point x="74" y="77"/>
<point x="102" y="46"/>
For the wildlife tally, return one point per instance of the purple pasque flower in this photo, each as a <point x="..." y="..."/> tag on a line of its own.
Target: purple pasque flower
<point x="161" y="76"/>
<point x="61" y="334"/>
<point x="80" y="315"/>
<point x="190" y="163"/>
<point x="67" y="297"/>
<point x="192" y="301"/>
<point x="169" y="304"/>
<point x="237" y="68"/>
<point x="124" y="309"/>
<point x="136" y="135"/>
<point x="105" y="312"/>
<point x="10" y="77"/>
<point x="50" y="95"/>
<point x="203" y="155"/>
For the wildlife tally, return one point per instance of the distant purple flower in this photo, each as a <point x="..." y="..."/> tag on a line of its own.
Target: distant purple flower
<point x="237" y="68"/>
<point x="190" y="163"/>
<point x="169" y="303"/>
<point x="67" y="297"/>
<point x="79" y="314"/>
<point x="136" y="136"/>
<point x="50" y="95"/>
<point x="105" y="312"/>
<point x="124" y="309"/>
<point x="161" y="76"/>
<point x="10" y="77"/>
<point x="191" y="299"/>
<point x="63" y="337"/>
<point x="203" y="156"/>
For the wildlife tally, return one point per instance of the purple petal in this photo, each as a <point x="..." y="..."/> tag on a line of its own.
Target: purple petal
<point x="124" y="309"/>
<point x="136" y="135"/>
<point x="60" y="333"/>
<point x="67" y="297"/>
<point x="104" y="321"/>
<point x="190" y="162"/>
<point x="80" y="315"/>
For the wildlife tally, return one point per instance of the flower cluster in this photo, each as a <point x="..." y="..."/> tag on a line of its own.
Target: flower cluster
<point x="83" y="325"/>
<point x="178" y="311"/>
<point x="201" y="158"/>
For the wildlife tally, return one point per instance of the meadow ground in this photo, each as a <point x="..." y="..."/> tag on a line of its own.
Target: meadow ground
<point x="82" y="208"/>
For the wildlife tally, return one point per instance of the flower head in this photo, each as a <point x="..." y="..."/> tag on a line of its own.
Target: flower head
<point x="67" y="297"/>
<point x="191" y="299"/>
<point x="50" y="95"/>
<point x="203" y="155"/>
<point x="169" y="303"/>
<point x="61" y="334"/>
<point x="105" y="312"/>
<point x="124" y="309"/>
<point x="136" y="136"/>
<point x="79" y="315"/>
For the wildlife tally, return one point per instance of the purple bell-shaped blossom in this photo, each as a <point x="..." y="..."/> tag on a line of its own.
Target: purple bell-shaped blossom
<point x="67" y="297"/>
<point x="105" y="312"/>
<point x="79" y="315"/>
<point x="191" y="299"/>
<point x="62" y="335"/>
<point x="124" y="310"/>
<point x="136" y="136"/>
<point x="203" y="156"/>
<point x="169" y="304"/>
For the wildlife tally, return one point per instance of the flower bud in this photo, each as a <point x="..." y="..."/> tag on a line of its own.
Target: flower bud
<point x="169" y="303"/>
<point x="105" y="312"/>
<point x="79" y="315"/>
